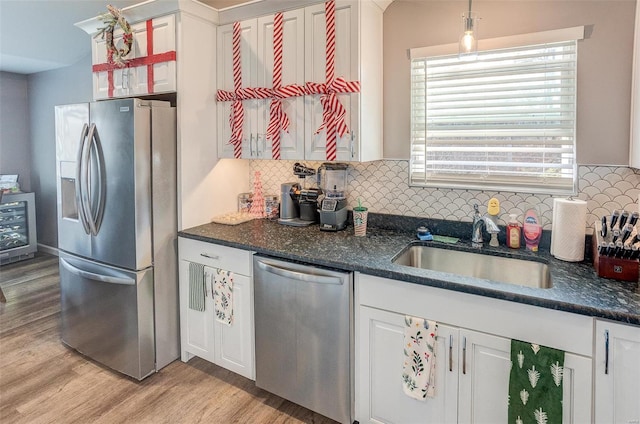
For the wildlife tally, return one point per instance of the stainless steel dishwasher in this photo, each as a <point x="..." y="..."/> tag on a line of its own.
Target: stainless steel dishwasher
<point x="303" y="327"/>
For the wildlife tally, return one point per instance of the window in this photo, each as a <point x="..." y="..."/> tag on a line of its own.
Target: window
<point x="505" y="121"/>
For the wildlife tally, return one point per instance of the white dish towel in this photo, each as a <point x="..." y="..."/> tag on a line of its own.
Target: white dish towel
<point x="223" y="295"/>
<point x="419" y="368"/>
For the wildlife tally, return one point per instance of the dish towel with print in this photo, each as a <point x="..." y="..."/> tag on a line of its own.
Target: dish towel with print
<point x="535" y="384"/>
<point x="196" y="286"/>
<point x="419" y="368"/>
<point x="223" y="295"/>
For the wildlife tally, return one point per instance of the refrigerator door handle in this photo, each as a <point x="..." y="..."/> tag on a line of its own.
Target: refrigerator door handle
<point x="96" y="277"/>
<point x="94" y="145"/>
<point x="85" y="182"/>
<point x="102" y="193"/>
<point x="82" y="214"/>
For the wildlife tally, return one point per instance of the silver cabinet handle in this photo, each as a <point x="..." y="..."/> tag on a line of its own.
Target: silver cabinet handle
<point x="207" y="255"/>
<point x="450" y="353"/>
<point x="353" y="142"/>
<point x="251" y="144"/>
<point x="464" y="355"/>
<point x="97" y="277"/>
<point x="606" y="352"/>
<point x="300" y="276"/>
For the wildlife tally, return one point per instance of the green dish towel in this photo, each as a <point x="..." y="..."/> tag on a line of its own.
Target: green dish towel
<point x="196" y="286"/>
<point x="535" y="384"/>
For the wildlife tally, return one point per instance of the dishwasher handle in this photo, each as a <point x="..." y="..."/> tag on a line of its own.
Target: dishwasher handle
<point x="297" y="275"/>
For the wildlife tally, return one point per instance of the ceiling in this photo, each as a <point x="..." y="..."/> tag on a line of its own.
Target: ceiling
<point x="39" y="35"/>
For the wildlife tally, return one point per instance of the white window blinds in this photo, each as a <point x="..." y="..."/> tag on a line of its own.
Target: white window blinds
<point x="505" y="121"/>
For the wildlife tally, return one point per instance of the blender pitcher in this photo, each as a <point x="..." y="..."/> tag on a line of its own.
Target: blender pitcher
<point x="332" y="179"/>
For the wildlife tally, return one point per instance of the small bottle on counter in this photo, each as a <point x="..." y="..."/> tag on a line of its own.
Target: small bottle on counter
<point x="271" y="206"/>
<point x="244" y="202"/>
<point x="513" y="232"/>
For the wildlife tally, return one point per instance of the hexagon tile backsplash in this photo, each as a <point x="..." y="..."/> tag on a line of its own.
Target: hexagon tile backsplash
<point x="383" y="187"/>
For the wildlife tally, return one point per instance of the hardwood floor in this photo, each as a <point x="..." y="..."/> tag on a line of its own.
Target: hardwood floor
<point x="42" y="381"/>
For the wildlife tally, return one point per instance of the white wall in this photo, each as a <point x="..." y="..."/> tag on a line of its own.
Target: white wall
<point x="46" y="90"/>
<point x="14" y="128"/>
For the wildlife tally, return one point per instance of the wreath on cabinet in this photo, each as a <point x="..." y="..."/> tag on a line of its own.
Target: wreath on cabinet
<point x="116" y="55"/>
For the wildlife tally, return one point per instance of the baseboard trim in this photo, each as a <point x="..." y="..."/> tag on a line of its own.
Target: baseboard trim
<point x="48" y="249"/>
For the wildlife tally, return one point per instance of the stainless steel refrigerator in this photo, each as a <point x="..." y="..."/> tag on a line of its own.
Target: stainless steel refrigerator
<point x="116" y="182"/>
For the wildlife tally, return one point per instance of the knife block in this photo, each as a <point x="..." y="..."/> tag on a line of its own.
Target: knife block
<point x="610" y="267"/>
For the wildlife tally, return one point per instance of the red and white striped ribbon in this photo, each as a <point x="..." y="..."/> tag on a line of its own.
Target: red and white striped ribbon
<point x="333" y="112"/>
<point x="277" y="118"/>
<point x="236" y="118"/>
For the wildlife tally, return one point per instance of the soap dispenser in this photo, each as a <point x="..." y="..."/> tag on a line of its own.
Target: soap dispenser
<point x="493" y="209"/>
<point x="513" y="232"/>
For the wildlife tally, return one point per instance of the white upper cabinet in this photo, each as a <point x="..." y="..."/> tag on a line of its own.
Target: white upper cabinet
<point x="136" y="78"/>
<point x="248" y="74"/>
<point x="358" y="46"/>
<point x="292" y="74"/>
<point x="346" y="66"/>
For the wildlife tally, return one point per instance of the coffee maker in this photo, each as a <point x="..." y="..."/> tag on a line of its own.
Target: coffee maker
<point x="332" y="179"/>
<point x="299" y="204"/>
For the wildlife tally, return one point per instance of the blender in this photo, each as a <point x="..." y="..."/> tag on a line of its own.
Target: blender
<point x="332" y="178"/>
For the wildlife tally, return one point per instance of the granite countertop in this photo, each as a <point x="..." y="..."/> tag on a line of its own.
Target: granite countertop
<point x="576" y="287"/>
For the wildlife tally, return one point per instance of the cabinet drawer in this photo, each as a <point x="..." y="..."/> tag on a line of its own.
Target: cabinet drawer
<point x="215" y="256"/>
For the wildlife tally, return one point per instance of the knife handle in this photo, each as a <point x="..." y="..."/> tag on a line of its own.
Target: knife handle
<point x="614" y="219"/>
<point x="616" y="234"/>
<point x="619" y="250"/>
<point x="626" y="232"/>
<point x="624" y="216"/>
<point x="633" y="219"/>
<point x="603" y="229"/>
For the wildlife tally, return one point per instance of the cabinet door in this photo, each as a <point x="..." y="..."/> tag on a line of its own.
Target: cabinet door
<point x="248" y="55"/>
<point x="234" y="343"/>
<point x="196" y="327"/>
<point x="101" y="79"/>
<point x="380" y="358"/>
<point x="484" y="381"/>
<point x="346" y="66"/>
<point x="292" y="141"/>
<point x="617" y="397"/>
<point x="164" y="40"/>
<point x="132" y="81"/>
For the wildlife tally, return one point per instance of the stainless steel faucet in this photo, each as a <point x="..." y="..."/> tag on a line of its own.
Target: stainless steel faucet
<point x="476" y="232"/>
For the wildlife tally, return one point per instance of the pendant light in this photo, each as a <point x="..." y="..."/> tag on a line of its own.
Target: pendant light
<point x="468" y="44"/>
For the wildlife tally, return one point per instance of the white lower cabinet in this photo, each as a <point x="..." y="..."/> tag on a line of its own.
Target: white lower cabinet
<point x="473" y="362"/>
<point x="231" y="347"/>
<point x="617" y="373"/>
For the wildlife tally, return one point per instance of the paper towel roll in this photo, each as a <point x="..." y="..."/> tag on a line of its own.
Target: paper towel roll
<point x="568" y="229"/>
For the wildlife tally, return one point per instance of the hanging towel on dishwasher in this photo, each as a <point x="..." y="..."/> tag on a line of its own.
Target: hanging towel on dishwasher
<point x="222" y="288"/>
<point x="535" y="384"/>
<point x="419" y="368"/>
<point x="196" y="286"/>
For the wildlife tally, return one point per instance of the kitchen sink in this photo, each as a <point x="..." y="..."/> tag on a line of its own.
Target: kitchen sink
<point x="521" y="272"/>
